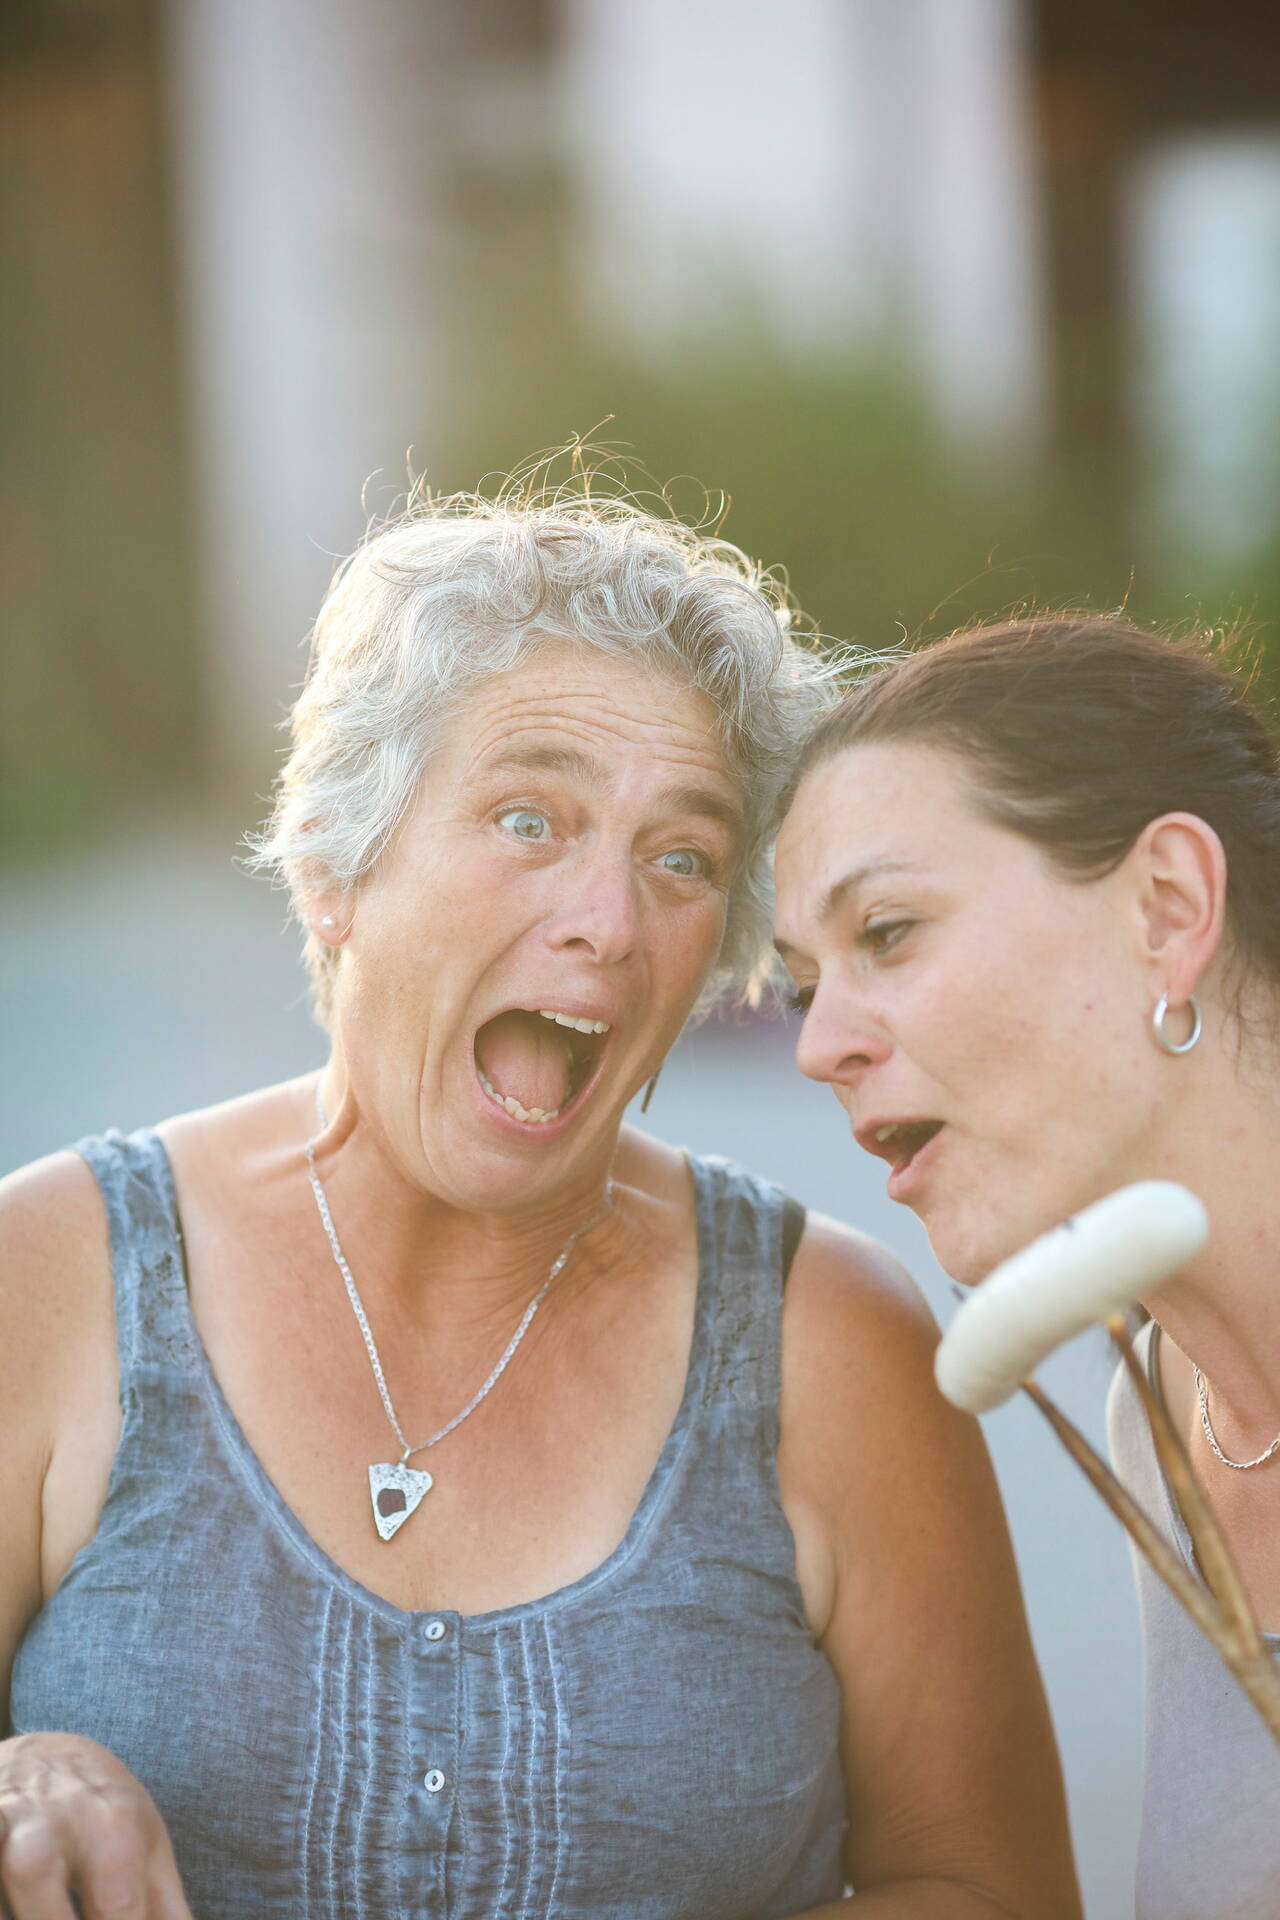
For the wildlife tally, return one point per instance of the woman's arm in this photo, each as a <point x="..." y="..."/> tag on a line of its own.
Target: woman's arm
<point x="955" y="1794"/>
<point x="49" y="1233"/>
<point x="73" y="1819"/>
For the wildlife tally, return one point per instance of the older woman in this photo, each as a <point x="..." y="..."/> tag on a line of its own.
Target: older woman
<point x="448" y="1519"/>
<point x="1027" y="891"/>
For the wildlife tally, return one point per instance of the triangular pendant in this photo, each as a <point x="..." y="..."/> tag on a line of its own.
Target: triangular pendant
<point x="396" y="1491"/>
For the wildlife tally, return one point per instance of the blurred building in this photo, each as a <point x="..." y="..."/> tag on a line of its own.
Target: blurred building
<point x="97" y="604"/>
<point x="241" y="231"/>
<point x="843" y="174"/>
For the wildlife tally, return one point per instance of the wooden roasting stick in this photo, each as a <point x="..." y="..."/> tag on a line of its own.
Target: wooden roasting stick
<point x="1084" y="1272"/>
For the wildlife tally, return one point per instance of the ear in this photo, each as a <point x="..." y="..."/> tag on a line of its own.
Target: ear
<point x="1181" y="874"/>
<point x="330" y="917"/>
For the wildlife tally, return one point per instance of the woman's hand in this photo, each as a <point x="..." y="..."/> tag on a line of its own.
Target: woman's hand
<point x="75" y="1822"/>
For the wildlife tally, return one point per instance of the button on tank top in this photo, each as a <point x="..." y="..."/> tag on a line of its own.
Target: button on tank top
<point x="1210" y="1843"/>
<point x="656" y="1741"/>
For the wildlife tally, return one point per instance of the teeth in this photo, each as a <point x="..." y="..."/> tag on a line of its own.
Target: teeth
<point x="530" y="1115"/>
<point x="571" y="1020"/>
<point x="535" y="1116"/>
<point x="884" y="1133"/>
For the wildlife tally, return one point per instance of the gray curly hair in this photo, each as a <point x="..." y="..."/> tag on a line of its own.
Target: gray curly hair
<point x="463" y="587"/>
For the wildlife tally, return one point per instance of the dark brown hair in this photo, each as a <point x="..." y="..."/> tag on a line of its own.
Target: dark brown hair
<point x="1078" y="731"/>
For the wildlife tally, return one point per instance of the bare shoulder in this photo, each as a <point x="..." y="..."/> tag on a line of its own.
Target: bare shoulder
<point x="849" y="1302"/>
<point x="250" y="1123"/>
<point x="861" y="1415"/>
<point x="53" y="1245"/>
<point x="55" y="1312"/>
<point x="55" y="1286"/>
<point x="654" y="1168"/>
<point x="218" y="1156"/>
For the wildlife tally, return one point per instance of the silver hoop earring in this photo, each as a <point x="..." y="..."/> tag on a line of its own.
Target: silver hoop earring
<point x="1158" y="1020"/>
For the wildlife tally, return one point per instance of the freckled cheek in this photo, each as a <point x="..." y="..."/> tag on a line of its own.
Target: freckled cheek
<point x="468" y="900"/>
<point x="946" y="1033"/>
<point x="681" y="950"/>
<point x="990" y="1059"/>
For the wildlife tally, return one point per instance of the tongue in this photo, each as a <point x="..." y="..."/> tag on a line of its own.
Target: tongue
<point x="523" y="1055"/>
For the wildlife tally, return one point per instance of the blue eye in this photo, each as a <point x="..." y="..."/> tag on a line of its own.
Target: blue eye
<point x="525" y="823"/>
<point x="692" y="863"/>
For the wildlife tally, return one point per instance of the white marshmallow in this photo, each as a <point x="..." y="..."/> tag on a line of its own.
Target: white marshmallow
<point x="1092" y="1266"/>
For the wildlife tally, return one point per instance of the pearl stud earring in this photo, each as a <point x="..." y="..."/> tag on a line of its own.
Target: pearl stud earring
<point x="328" y="921"/>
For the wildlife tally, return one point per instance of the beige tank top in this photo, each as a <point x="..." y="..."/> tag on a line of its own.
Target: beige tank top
<point x="1210" y="1843"/>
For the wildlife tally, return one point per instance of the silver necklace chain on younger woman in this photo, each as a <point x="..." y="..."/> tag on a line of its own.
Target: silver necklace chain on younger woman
<point x="395" y="1488"/>
<point x="1242" y="1466"/>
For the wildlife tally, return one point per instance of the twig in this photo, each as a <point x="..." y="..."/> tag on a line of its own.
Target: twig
<point x="1251" y="1663"/>
<point x="1212" y="1551"/>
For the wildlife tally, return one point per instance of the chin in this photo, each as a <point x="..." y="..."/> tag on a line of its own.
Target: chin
<point x="969" y="1245"/>
<point x="968" y="1250"/>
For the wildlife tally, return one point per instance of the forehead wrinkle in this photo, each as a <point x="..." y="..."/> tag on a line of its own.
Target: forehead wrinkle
<point x="573" y="762"/>
<point x="662" y="714"/>
<point x="509" y="753"/>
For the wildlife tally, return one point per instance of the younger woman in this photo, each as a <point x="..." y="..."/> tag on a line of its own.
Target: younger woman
<point x="1029" y="892"/>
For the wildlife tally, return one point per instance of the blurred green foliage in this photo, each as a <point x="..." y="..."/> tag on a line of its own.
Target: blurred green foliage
<point x="840" y="472"/>
<point x="835" y="471"/>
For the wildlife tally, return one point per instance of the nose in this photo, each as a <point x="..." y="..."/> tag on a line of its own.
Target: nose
<point x="839" y="1041"/>
<point x="600" y="917"/>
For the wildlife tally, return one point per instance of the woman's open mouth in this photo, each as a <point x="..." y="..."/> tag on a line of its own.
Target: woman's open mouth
<point x="905" y="1144"/>
<point x="536" y="1063"/>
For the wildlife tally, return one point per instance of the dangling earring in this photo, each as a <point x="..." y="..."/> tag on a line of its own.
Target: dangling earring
<point x="648" y="1092"/>
<point x="1158" y="1019"/>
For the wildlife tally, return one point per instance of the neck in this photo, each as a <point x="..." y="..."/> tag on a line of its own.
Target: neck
<point x="484" y="1267"/>
<point x="1223" y="1311"/>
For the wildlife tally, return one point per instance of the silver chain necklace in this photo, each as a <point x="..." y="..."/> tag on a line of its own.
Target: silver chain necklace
<point x="1241" y="1465"/>
<point x="396" y="1489"/>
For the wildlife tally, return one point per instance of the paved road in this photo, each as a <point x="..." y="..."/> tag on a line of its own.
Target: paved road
<point x="156" y="977"/>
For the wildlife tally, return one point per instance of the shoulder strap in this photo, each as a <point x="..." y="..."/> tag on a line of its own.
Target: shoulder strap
<point x="154" y="1329"/>
<point x="793" y="1219"/>
<point x="741" y="1221"/>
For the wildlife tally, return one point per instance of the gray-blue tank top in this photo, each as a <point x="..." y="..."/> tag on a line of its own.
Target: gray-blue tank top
<point x="657" y="1741"/>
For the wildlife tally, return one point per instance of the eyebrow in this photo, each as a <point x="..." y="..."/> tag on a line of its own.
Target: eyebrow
<point x="713" y="806"/>
<point x="571" y="761"/>
<point x="839" y="891"/>
<point x="574" y="764"/>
